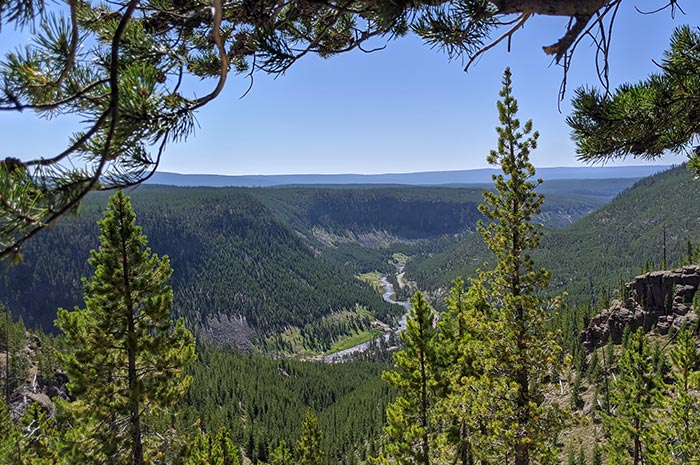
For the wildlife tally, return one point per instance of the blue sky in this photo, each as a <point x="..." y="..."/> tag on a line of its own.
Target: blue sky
<point x="404" y="109"/>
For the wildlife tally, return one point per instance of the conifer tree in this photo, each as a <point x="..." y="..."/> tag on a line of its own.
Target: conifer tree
<point x="210" y="449"/>
<point x="13" y="341"/>
<point x="7" y="432"/>
<point x="460" y="354"/>
<point x="127" y="356"/>
<point x="408" y="416"/>
<point x="597" y="455"/>
<point x="634" y="436"/>
<point x="281" y="455"/>
<point x="684" y="423"/>
<point x="581" y="457"/>
<point x="308" y="449"/>
<point x="34" y="440"/>
<point x="525" y="349"/>
<point x="645" y="119"/>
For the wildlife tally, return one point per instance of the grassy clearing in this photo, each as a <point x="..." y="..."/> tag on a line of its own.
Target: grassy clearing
<point x="400" y="259"/>
<point x="374" y="279"/>
<point x="355" y="339"/>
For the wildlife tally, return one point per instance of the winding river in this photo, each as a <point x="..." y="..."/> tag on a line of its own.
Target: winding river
<point x="388" y="291"/>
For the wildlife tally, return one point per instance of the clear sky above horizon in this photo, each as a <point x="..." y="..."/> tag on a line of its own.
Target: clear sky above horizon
<point x="403" y="109"/>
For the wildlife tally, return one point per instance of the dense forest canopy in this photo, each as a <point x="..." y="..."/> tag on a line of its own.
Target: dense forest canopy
<point x="251" y="263"/>
<point x="487" y="380"/>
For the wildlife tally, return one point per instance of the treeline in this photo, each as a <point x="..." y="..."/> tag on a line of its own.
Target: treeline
<point x="320" y="336"/>
<point x="252" y="253"/>
<point x="421" y="212"/>
<point x="408" y="213"/>
<point x="644" y="399"/>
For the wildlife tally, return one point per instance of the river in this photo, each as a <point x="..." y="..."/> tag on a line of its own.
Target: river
<point x="388" y="291"/>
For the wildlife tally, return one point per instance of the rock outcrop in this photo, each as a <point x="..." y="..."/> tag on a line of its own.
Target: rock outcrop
<point x="660" y="300"/>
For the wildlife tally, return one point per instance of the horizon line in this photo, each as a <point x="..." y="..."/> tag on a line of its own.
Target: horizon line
<point x="647" y="165"/>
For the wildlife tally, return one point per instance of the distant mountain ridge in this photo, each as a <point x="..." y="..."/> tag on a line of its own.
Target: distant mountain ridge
<point x="426" y="178"/>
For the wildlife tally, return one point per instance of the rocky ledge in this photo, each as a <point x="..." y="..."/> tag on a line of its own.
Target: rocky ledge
<point x="660" y="300"/>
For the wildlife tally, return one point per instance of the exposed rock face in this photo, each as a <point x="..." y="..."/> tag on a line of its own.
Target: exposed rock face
<point x="660" y="300"/>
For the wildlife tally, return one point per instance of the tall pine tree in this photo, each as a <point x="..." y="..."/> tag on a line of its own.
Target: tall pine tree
<point x="460" y="354"/>
<point x="408" y="417"/>
<point x="127" y="356"/>
<point x="633" y="426"/>
<point x="210" y="449"/>
<point x="683" y="424"/>
<point x="524" y="426"/>
<point x="309" y="450"/>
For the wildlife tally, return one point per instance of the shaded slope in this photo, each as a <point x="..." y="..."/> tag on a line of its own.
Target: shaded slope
<point x="420" y="212"/>
<point x="600" y="250"/>
<point x="231" y="256"/>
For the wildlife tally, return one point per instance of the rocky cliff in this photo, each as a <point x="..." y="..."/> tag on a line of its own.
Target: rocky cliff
<point x="660" y="300"/>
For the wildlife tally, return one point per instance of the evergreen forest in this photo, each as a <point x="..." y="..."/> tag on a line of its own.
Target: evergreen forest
<point x="514" y="323"/>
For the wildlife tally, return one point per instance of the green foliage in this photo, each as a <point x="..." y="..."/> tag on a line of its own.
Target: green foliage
<point x="683" y="427"/>
<point x="262" y="401"/>
<point x="308" y="450"/>
<point x="474" y="388"/>
<point x="221" y="243"/>
<point x="7" y="431"/>
<point x="34" y="440"/>
<point x="633" y="427"/>
<point x="126" y="357"/>
<point x="400" y="212"/>
<point x="590" y="256"/>
<point x="282" y="455"/>
<point x="647" y="119"/>
<point x="120" y="66"/>
<point x="463" y="380"/>
<point x="576" y="401"/>
<point x="14" y="361"/>
<point x="210" y="449"/>
<point x="597" y="455"/>
<point x="223" y="240"/>
<point x="524" y="350"/>
<point x="409" y="429"/>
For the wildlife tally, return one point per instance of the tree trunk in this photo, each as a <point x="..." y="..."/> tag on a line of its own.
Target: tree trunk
<point x="135" y="416"/>
<point x="134" y="407"/>
<point x="522" y="403"/>
<point x="424" y="404"/>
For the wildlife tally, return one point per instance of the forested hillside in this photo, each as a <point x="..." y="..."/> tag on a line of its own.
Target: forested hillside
<point x="160" y="325"/>
<point x="601" y="250"/>
<point x="276" y="266"/>
<point x="422" y="212"/>
<point x="303" y="294"/>
<point x="262" y="401"/>
<point x="238" y="268"/>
